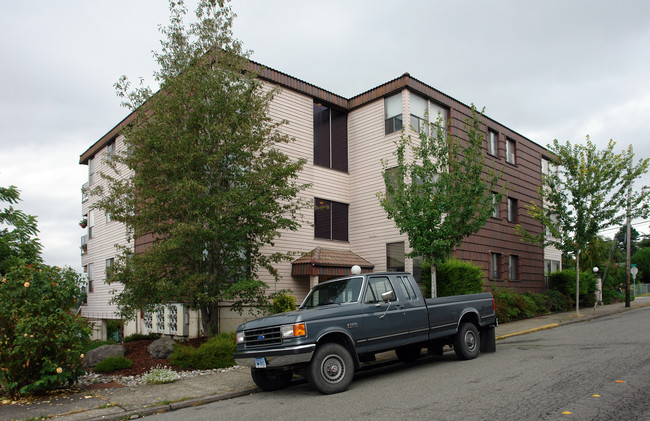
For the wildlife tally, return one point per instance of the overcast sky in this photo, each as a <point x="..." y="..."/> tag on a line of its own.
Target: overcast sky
<point x="546" y="69"/>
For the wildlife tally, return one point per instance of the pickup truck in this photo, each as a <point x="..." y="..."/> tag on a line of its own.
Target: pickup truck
<point x="346" y="321"/>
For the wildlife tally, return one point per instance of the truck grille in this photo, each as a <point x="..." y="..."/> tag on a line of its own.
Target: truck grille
<point x="263" y="337"/>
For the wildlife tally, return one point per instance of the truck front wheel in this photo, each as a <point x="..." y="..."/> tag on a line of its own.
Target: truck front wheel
<point x="331" y="369"/>
<point x="467" y="342"/>
<point x="269" y="379"/>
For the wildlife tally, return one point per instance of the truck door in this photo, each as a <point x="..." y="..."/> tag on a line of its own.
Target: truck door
<point x="384" y="324"/>
<point x="414" y="308"/>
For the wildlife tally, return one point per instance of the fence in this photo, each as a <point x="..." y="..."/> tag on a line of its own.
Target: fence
<point x="641" y="289"/>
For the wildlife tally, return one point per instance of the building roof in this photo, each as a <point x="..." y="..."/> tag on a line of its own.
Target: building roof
<point x="405" y="81"/>
<point x="324" y="261"/>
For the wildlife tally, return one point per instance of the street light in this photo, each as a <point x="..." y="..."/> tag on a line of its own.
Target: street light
<point x="600" y="286"/>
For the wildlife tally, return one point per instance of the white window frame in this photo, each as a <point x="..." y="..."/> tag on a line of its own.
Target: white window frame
<point x="393" y="112"/>
<point x="493" y="143"/>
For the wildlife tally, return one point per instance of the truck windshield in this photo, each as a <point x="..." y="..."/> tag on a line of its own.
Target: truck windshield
<point x="336" y="292"/>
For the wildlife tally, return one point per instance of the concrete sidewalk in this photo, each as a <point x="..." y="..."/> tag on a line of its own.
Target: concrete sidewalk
<point x="132" y="402"/>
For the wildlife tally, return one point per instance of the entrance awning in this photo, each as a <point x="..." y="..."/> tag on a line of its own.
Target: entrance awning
<point x="329" y="262"/>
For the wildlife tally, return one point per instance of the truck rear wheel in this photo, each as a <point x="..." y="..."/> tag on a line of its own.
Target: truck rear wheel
<point x="331" y="369"/>
<point x="269" y="379"/>
<point x="467" y="342"/>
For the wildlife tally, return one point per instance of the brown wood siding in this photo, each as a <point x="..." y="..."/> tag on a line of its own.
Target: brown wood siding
<point x="522" y="181"/>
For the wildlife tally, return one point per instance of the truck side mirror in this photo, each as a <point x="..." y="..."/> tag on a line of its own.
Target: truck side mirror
<point x="388" y="296"/>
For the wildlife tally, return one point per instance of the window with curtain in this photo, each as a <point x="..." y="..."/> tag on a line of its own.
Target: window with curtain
<point x="493" y="143"/>
<point x="393" y="113"/>
<point x="418" y="107"/>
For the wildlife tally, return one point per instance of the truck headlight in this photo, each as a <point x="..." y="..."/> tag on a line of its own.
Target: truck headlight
<point x="240" y="337"/>
<point x="290" y="331"/>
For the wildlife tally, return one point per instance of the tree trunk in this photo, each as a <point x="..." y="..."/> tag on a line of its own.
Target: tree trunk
<point x="434" y="282"/>
<point x="210" y="319"/>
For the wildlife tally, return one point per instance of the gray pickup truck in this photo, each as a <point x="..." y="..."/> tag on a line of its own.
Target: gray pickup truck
<point x="346" y="321"/>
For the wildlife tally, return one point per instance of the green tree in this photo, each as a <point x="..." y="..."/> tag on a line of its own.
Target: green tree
<point x="586" y="192"/>
<point x="642" y="260"/>
<point x="440" y="191"/>
<point x="622" y="241"/>
<point x="209" y="182"/>
<point x="18" y="241"/>
<point x="41" y="340"/>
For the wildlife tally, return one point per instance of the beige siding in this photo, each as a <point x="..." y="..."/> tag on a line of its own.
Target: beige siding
<point x="102" y="247"/>
<point x="370" y="230"/>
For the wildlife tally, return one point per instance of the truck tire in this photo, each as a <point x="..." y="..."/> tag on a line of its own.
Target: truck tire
<point x="269" y="379"/>
<point x="331" y="369"/>
<point x="467" y="342"/>
<point x="409" y="353"/>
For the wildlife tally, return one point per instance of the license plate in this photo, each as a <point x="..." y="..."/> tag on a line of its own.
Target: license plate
<point x="260" y="363"/>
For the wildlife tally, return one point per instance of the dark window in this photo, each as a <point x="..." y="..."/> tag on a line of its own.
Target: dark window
<point x="331" y="220"/>
<point x="513" y="270"/>
<point x="395" y="257"/>
<point x="330" y="138"/>
<point x="495" y="266"/>
<point x="393" y="113"/>
<point x="109" y="265"/>
<point x="512" y="210"/>
<point x="89" y="274"/>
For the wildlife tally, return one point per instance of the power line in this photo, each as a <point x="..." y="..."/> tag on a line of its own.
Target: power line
<point x="619" y="227"/>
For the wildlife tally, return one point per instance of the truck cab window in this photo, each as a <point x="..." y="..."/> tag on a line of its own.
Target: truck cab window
<point x="377" y="286"/>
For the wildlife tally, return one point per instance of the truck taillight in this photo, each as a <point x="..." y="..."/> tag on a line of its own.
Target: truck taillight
<point x="494" y="306"/>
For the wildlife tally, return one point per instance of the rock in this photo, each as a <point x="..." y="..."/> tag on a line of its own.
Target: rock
<point x="161" y="348"/>
<point x="101" y="353"/>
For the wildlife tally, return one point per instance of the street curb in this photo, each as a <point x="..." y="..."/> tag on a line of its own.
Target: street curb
<point x="524" y="332"/>
<point x="583" y="318"/>
<point x="159" y="409"/>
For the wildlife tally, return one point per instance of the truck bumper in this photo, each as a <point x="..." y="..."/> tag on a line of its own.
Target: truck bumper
<point x="276" y="357"/>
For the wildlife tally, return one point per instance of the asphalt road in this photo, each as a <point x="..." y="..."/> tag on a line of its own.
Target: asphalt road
<point x="596" y="370"/>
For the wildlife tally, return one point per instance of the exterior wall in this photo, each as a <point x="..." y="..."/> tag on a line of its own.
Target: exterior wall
<point x="369" y="230"/>
<point x="522" y="181"/>
<point x="106" y="235"/>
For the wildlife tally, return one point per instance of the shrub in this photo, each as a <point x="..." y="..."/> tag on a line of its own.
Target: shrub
<point x="217" y="352"/>
<point x="111" y="364"/>
<point x="282" y="301"/>
<point x="509" y="305"/>
<point x="114" y="329"/>
<point x="141" y="336"/>
<point x="558" y="302"/>
<point x="41" y="339"/>
<point x="160" y="375"/>
<point x="454" y="277"/>
<point x="565" y="282"/>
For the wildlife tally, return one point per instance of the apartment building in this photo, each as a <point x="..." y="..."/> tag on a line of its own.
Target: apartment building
<point x="344" y="141"/>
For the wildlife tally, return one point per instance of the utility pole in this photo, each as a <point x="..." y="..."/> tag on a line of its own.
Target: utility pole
<point x="628" y="237"/>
